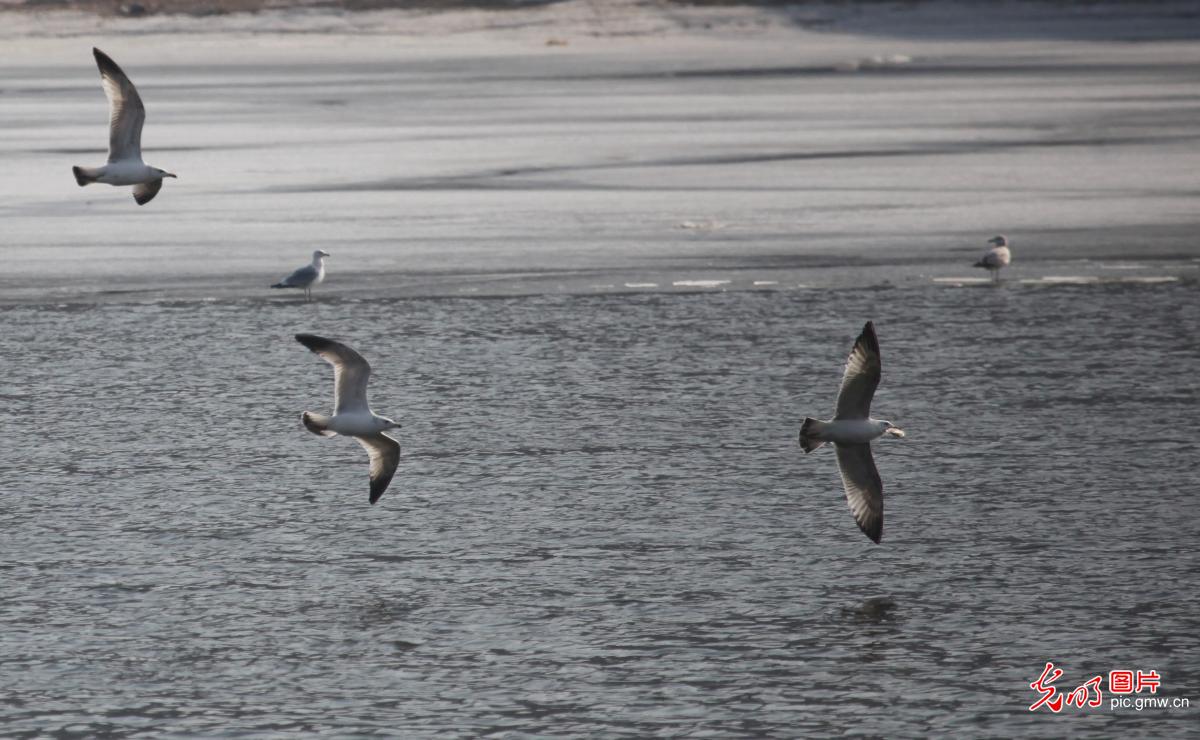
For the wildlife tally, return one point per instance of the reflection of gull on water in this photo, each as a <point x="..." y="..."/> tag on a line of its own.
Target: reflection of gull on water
<point x="308" y="276"/>
<point x="351" y="414"/>
<point x="852" y="430"/>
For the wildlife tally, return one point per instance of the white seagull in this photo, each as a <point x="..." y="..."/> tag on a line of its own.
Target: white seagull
<point x="351" y="415"/>
<point x="125" y="118"/>
<point x="308" y="276"/>
<point x="998" y="256"/>
<point x="851" y="432"/>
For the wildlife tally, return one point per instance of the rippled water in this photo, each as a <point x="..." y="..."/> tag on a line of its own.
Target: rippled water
<point x="601" y="284"/>
<point x="602" y="524"/>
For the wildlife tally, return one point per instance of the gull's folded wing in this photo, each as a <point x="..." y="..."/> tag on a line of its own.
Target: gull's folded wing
<point x="300" y="278"/>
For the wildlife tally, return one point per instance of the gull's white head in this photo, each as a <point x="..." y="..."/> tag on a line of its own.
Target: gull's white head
<point x="999" y="240"/>
<point x="385" y="424"/>
<point x="163" y="173"/>
<point x="319" y="255"/>
<point x="891" y="430"/>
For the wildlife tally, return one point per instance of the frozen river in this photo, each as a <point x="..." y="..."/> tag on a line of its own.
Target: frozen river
<point x="495" y="163"/>
<point x="600" y="284"/>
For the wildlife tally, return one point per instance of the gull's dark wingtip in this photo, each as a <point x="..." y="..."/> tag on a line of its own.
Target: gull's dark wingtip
<point x="109" y="68"/>
<point x="104" y="61"/>
<point x="869" y="338"/>
<point x="378" y="486"/>
<point x="385" y="459"/>
<point x="872" y="527"/>
<point x="312" y="341"/>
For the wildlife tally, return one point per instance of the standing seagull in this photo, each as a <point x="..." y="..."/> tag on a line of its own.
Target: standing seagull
<point x="125" y="118"/>
<point x="351" y="415"/>
<point x="308" y="276"/>
<point x="852" y="430"/>
<point x="998" y="256"/>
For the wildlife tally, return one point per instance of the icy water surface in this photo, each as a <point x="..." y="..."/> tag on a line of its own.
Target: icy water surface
<point x="424" y="163"/>
<point x="602" y="525"/>
<point x="601" y="284"/>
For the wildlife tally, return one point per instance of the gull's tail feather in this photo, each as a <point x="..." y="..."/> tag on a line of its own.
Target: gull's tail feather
<point x="808" y="434"/>
<point x="85" y="175"/>
<point x="317" y="424"/>
<point x="282" y="284"/>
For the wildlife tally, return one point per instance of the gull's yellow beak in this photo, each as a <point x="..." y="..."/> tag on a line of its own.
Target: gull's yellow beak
<point x="895" y="432"/>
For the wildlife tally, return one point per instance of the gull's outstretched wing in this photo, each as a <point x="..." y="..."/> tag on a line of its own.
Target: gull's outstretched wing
<point x="144" y="192"/>
<point x="350" y="372"/>
<point x="126" y="114"/>
<point x="300" y="278"/>
<point x="385" y="456"/>
<point x="861" y="377"/>
<point x="864" y="489"/>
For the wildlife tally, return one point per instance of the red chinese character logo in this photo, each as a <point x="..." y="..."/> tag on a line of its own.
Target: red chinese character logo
<point x="1120" y="682"/>
<point x="1147" y="681"/>
<point x="1050" y="695"/>
<point x="1079" y="696"/>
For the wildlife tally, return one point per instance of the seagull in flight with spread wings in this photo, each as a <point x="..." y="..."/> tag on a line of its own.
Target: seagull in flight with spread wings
<point x="125" y="118"/>
<point x="851" y="432"/>
<point x="351" y="415"/>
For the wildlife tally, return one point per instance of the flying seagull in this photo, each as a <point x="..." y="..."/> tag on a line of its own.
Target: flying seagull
<point x="998" y="256"/>
<point x="125" y="118"/>
<point x="308" y="276"/>
<point x="851" y="432"/>
<point x="351" y="415"/>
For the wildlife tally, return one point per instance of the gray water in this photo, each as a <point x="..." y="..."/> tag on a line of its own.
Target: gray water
<point x="602" y="524"/>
